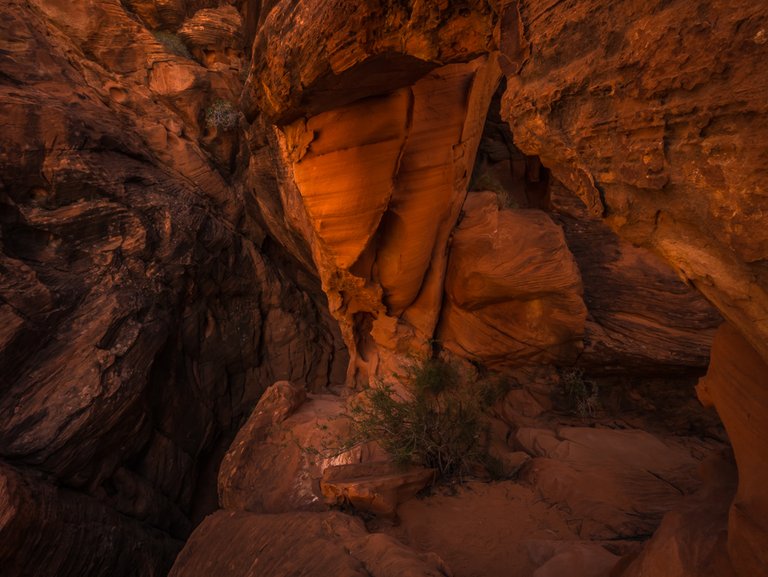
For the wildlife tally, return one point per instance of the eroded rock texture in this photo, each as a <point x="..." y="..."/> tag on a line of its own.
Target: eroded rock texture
<point x="142" y="313"/>
<point x="164" y="257"/>
<point x="324" y="544"/>
<point x="371" y="183"/>
<point x="644" y="111"/>
<point x="736" y="385"/>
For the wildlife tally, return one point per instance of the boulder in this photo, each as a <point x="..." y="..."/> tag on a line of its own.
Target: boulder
<point x="240" y="544"/>
<point x="377" y="487"/>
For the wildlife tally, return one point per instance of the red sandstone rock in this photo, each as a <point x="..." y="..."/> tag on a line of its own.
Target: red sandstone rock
<point x="643" y="109"/>
<point x="298" y="440"/>
<point x="375" y="487"/>
<point x="641" y="316"/>
<point x="614" y="484"/>
<point x="46" y="530"/>
<point x="238" y="544"/>
<point x="691" y="540"/>
<point x="140" y="319"/>
<point x="513" y="288"/>
<point x="736" y="385"/>
<point x="335" y="52"/>
<point x="146" y="302"/>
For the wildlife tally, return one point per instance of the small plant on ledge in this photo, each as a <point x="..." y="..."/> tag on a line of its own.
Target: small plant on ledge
<point x="222" y="114"/>
<point x="582" y="395"/>
<point x="172" y="43"/>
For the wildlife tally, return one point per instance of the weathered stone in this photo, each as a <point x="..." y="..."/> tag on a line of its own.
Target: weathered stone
<point x="141" y="316"/>
<point x="329" y="55"/>
<point x="375" y="487"/>
<point x="615" y="484"/>
<point x="513" y="288"/>
<point x="41" y="525"/>
<point x="238" y="544"/>
<point x="642" y="109"/>
<point x="736" y="384"/>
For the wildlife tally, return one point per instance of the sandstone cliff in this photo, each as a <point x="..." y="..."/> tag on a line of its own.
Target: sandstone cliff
<point x="199" y="198"/>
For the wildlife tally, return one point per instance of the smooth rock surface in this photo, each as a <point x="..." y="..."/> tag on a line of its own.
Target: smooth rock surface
<point x="238" y="544"/>
<point x="737" y="385"/>
<point x="614" y="484"/>
<point x="513" y="288"/>
<point x="375" y="487"/>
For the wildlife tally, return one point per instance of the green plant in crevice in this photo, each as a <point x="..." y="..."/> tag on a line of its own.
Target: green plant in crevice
<point x="582" y="395"/>
<point x="222" y="114"/>
<point x="172" y="42"/>
<point x="437" y="423"/>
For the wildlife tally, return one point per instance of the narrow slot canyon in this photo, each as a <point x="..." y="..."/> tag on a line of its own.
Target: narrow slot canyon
<point x="469" y="288"/>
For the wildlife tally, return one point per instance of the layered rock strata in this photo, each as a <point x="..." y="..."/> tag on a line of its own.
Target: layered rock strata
<point x="142" y="315"/>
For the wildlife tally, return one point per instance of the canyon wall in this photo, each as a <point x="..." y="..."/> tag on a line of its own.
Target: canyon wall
<point x="143" y="311"/>
<point x="201" y="197"/>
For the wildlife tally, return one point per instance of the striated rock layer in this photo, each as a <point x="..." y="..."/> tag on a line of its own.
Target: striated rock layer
<point x="644" y="111"/>
<point x="141" y="312"/>
<point x="164" y="258"/>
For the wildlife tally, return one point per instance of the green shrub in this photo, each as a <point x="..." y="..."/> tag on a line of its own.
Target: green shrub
<point x="438" y="423"/>
<point x="222" y="114"/>
<point x="583" y="396"/>
<point x="172" y="43"/>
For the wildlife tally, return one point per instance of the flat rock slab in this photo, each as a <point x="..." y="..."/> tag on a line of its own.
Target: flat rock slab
<point x="612" y="483"/>
<point x="332" y="544"/>
<point x="376" y="487"/>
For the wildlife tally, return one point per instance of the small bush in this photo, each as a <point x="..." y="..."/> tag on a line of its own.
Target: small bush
<point x="583" y="396"/>
<point x="487" y="181"/>
<point x="438" y="424"/>
<point x="222" y="114"/>
<point x="172" y="43"/>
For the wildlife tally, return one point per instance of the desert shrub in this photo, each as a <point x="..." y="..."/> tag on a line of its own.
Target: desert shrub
<point x="487" y="181"/>
<point x="172" y="43"/>
<point x="582" y="395"/>
<point x="222" y="114"/>
<point x="438" y="423"/>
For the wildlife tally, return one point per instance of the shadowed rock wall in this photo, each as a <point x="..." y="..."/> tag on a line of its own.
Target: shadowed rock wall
<point x="142" y="313"/>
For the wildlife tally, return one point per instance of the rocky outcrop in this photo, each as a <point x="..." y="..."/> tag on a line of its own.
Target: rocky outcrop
<point x="286" y="432"/>
<point x="41" y="525"/>
<point x="164" y="257"/>
<point x="513" y="288"/>
<point x="642" y="110"/>
<point x="641" y="316"/>
<point x="332" y="544"/>
<point x="613" y="484"/>
<point x="381" y="45"/>
<point x="377" y="204"/>
<point x="142" y="313"/>
<point x="736" y="385"/>
<point x="690" y="542"/>
<point x="371" y="182"/>
<point x="376" y="487"/>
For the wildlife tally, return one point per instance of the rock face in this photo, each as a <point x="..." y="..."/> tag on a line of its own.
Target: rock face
<point x="736" y="385"/>
<point x="330" y="544"/>
<point x="642" y="110"/>
<point x="615" y="484"/>
<point x="378" y="203"/>
<point x="141" y="314"/>
<point x="371" y="182"/>
<point x="665" y="327"/>
<point x="375" y="487"/>
<point x="513" y="288"/>
<point x="691" y="540"/>
<point x="199" y="198"/>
